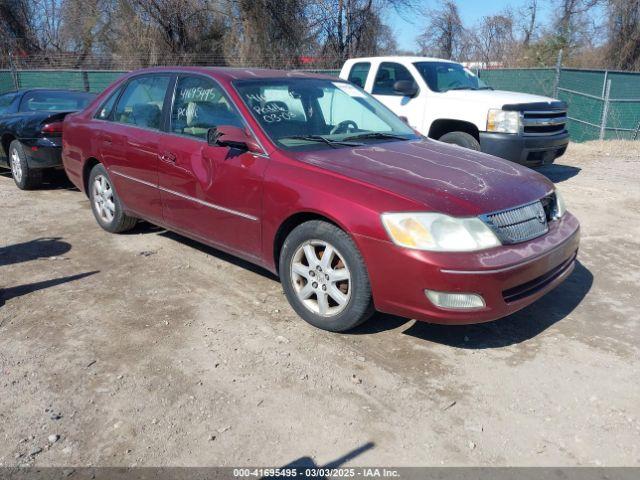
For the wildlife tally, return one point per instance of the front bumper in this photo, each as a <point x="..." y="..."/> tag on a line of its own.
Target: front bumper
<point x="532" y="151"/>
<point x="43" y="152"/>
<point x="509" y="277"/>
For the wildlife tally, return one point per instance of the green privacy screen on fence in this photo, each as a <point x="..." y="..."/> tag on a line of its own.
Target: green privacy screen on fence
<point x="591" y="113"/>
<point x="88" y="80"/>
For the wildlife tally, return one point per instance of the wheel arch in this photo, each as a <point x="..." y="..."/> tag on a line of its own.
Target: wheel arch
<point x="443" y="126"/>
<point x="86" y="171"/>
<point x="5" y="141"/>
<point x="291" y="222"/>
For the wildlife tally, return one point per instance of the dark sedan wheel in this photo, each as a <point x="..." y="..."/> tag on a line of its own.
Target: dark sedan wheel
<point x="324" y="277"/>
<point x="26" y="178"/>
<point x="105" y="203"/>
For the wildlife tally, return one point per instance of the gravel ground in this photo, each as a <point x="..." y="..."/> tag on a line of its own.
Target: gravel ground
<point x="149" y="349"/>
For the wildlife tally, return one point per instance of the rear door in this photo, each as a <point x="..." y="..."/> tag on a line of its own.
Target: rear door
<point x="384" y="77"/>
<point x="129" y="143"/>
<point x="210" y="192"/>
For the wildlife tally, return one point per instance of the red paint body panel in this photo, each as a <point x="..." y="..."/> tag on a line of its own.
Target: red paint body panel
<point x="237" y="202"/>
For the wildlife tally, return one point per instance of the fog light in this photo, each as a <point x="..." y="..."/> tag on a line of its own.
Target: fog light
<point x="455" y="300"/>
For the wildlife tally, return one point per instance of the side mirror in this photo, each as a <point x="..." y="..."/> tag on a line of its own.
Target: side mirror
<point x="407" y="88"/>
<point x="232" y="137"/>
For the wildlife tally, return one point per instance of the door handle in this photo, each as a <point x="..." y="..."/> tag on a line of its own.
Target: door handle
<point x="168" y="157"/>
<point x="107" y="140"/>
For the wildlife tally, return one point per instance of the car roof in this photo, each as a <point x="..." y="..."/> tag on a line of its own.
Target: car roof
<point x="233" y="73"/>
<point x="400" y="59"/>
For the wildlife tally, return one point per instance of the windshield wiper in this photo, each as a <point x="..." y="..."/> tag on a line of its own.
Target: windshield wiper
<point x="320" y="138"/>
<point x="382" y="135"/>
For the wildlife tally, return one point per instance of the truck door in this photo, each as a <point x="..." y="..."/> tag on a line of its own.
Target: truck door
<point x="412" y="108"/>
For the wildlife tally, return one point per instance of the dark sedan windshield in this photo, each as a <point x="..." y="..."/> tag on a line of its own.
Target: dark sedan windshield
<point x="54" y="100"/>
<point x="444" y="76"/>
<point x="313" y="113"/>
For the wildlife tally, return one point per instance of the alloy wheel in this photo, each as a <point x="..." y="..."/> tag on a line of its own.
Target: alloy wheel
<point x="16" y="166"/>
<point x="321" y="278"/>
<point x="103" y="198"/>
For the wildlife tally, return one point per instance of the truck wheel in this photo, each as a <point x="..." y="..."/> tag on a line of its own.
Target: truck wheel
<point x="324" y="277"/>
<point x="105" y="203"/>
<point x="26" y="178"/>
<point x="461" y="139"/>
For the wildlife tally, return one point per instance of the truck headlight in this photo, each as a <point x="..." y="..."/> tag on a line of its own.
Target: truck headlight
<point x="438" y="232"/>
<point x="503" y="121"/>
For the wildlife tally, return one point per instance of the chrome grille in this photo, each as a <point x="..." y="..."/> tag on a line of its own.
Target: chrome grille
<point x="518" y="224"/>
<point x="543" y="122"/>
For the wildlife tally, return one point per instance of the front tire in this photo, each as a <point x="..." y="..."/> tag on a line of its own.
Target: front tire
<point x="324" y="277"/>
<point x="462" y="139"/>
<point x="25" y="178"/>
<point x="105" y="204"/>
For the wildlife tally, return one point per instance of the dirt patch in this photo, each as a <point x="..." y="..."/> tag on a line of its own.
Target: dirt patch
<point x="149" y="349"/>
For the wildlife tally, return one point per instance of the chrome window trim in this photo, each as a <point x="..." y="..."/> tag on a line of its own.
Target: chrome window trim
<point x="188" y="197"/>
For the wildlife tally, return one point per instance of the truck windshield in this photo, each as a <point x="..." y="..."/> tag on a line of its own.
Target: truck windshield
<point x="445" y="76"/>
<point x="302" y="114"/>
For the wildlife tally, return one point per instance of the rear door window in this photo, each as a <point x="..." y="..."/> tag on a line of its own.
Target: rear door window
<point x="104" y="112"/>
<point x="388" y="74"/>
<point x="142" y="101"/>
<point x="358" y="74"/>
<point x="200" y="104"/>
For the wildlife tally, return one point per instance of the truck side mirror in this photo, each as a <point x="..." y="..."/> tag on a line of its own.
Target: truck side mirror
<point x="407" y="88"/>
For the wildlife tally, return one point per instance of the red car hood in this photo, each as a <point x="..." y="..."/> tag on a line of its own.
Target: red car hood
<point x="444" y="178"/>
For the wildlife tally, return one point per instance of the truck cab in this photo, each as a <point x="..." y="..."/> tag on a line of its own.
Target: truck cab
<point x="445" y="101"/>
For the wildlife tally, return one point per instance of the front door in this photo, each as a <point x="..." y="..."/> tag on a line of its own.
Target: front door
<point x="411" y="108"/>
<point x="129" y="144"/>
<point x="210" y="192"/>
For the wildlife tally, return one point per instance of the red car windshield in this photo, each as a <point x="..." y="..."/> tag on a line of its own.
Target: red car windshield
<point x="314" y="113"/>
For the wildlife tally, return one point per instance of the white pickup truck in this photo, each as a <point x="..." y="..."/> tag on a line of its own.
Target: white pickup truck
<point x="443" y="100"/>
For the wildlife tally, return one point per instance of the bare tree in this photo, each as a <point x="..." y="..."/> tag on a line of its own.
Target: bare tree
<point x="570" y="22"/>
<point x="493" y="38"/>
<point x="16" y="27"/>
<point x="623" y="46"/>
<point x="529" y="14"/>
<point x="269" y="33"/>
<point x="443" y="34"/>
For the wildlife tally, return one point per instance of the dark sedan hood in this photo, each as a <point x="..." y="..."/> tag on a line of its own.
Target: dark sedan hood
<point x="444" y="178"/>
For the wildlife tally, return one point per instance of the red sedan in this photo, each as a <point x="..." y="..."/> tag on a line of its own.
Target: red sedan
<point x="313" y="179"/>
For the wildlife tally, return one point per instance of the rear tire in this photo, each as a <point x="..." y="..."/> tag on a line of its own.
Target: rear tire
<point x="105" y="204"/>
<point x="26" y="178"/>
<point x="324" y="277"/>
<point x="462" y="139"/>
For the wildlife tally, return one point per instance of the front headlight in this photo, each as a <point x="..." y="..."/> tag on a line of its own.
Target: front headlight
<point x="503" y="121"/>
<point x="438" y="232"/>
<point x="560" y="207"/>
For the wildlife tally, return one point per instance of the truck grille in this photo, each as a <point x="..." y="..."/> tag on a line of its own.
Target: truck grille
<point x="519" y="224"/>
<point x="540" y="122"/>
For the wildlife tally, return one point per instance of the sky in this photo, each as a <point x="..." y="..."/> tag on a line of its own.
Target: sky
<point x="407" y="25"/>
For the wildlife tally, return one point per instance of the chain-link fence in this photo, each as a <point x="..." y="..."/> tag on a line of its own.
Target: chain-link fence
<point x="602" y="104"/>
<point x="86" y="80"/>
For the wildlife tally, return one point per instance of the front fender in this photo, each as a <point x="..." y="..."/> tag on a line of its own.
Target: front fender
<point x="293" y="188"/>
